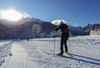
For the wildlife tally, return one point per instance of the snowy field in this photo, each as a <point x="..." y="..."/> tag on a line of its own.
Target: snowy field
<point x="33" y="53"/>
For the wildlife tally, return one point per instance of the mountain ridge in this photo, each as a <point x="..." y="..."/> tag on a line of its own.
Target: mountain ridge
<point x="25" y="26"/>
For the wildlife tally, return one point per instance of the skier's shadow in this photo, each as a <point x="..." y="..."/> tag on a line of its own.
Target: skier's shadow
<point x="95" y="61"/>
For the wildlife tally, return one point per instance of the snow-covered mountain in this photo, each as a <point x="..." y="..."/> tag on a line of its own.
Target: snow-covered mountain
<point x="94" y="29"/>
<point x="86" y="26"/>
<point x="79" y="30"/>
<point x="25" y="26"/>
<point x="88" y="29"/>
<point x="21" y="21"/>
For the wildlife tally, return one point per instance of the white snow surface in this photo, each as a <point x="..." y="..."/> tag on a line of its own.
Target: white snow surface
<point x="33" y="53"/>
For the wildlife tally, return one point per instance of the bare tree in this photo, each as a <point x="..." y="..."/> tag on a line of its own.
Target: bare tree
<point x="36" y="29"/>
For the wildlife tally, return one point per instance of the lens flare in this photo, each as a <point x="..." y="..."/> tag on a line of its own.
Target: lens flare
<point x="11" y="15"/>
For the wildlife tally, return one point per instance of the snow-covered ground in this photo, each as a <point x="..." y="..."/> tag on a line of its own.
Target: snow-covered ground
<point x="33" y="53"/>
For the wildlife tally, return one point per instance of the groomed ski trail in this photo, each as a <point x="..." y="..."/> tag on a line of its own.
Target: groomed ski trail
<point x="18" y="58"/>
<point x="31" y="54"/>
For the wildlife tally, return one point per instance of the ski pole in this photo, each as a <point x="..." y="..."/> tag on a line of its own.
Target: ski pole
<point x="54" y="45"/>
<point x="70" y="46"/>
<point x="54" y="40"/>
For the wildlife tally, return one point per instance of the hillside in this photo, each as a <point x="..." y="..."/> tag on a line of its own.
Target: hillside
<point x="93" y="29"/>
<point x="26" y="27"/>
<point x="35" y="28"/>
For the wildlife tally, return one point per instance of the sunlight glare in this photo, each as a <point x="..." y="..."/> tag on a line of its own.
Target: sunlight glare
<point x="11" y="15"/>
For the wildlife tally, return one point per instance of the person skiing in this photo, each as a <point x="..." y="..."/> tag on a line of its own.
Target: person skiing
<point x="64" y="36"/>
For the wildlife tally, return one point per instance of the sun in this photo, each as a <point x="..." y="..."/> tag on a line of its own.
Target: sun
<point x="11" y="15"/>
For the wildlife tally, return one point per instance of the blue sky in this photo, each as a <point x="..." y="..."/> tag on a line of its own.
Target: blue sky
<point x="75" y="12"/>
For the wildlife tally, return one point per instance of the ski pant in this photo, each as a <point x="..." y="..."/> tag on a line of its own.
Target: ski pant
<point x="64" y="38"/>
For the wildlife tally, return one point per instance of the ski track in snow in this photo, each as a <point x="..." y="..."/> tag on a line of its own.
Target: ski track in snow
<point x="33" y="53"/>
<point x="5" y="47"/>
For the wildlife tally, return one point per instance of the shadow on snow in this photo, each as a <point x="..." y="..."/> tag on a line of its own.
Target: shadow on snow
<point x="87" y="61"/>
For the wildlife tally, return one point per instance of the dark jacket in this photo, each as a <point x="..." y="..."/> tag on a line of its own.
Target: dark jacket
<point x="64" y="28"/>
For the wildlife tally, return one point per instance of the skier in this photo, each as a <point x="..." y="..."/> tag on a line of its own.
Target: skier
<point x="64" y="37"/>
<point x="27" y="38"/>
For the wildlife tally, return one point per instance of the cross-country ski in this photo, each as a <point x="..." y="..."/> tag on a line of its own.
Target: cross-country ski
<point x="67" y="56"/>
